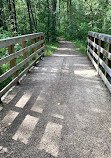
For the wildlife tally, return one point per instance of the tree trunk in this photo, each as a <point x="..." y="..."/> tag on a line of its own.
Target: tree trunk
<point x="15" y="16"/>
<point x="59" y="14"/>
<point x="30" y="22"/>
<point x="1" y="15"/>
<point x="54" y="19"/>
<point x="64" y="15"/>
<point x="11" y="16"/>
<point x="48" y="20"/>
<point x="71" y="12"/>
<point x="67" y="7"/>
<point x="34" y="23"/>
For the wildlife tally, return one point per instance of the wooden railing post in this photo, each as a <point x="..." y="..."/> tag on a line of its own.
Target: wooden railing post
<point x="109" y="50"/>
<point x="39" y="46"/>
<point x="108" y="62"/>
<point x="92" y="39"/>
<point x="101" y="45"/>
<point x="25" y="55"/>
<point x="92" y="47"/>
<point x="12" y="57"/>
<point x="38" y="38"/>
<point x="11" y="50"/>
<point x="42" y="37"/>
<point x="33" y="49"/>
<point x="100" y="54"/>
<point x="96" y="42"/>
<point x="89" y="43"/>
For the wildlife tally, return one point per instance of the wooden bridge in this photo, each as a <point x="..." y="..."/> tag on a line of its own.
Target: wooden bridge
<point x="62" y="107"/>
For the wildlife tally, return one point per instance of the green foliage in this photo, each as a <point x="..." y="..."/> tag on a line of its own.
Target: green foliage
<point x="4" y="33"/>
<point x="72" y="21"/>
<point x="3" y="69"/>
<point x="51" y="47"/>
<point x="86" y="16"/>
<point x="80" y="46"/>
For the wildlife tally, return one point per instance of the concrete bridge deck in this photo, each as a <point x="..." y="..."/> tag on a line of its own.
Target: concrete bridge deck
<point x="62" y="109"/>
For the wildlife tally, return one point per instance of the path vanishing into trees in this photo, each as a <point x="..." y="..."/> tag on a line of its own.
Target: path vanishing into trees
<point x="61" y="109"/>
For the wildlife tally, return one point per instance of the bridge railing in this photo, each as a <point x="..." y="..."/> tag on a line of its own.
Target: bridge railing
<point x="99" y="52"/>
<point x="31" y="51"/>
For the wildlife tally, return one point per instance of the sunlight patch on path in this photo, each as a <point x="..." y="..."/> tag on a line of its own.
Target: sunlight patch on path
<point x="63" y="55"/>
<point x="9" y="118"/>
<point x="26" y="128"/>
<point x="23" y="100"/>
<point x="57" y="116"/>
<point x="37" y="109"/>
<point x="85" y="73"/>
<point x="39" y="103"/>
<point x="50" y="139"/>
<point x="69" y="49"/>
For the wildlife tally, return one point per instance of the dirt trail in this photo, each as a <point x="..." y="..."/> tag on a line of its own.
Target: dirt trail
<point x="62" y="109"/>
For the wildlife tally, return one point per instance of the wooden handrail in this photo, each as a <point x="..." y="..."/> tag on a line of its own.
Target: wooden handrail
<point x="100" y="36"/>
<point x="18" y="39"/>
<point x="100" y="57"/>
<point x="36" y="47"/>
<point x="22" y="51"/>
<point x="103" y="51"/>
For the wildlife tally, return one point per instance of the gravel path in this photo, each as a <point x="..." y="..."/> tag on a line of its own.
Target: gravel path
<point x="62" y="109"/>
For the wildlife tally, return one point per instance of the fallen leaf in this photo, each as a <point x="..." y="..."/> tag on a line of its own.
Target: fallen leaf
<point x="58" y="104"/>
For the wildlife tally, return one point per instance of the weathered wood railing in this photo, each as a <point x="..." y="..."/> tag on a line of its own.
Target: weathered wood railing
<point x="99" y="52"/>
<point x="37" y="52"/>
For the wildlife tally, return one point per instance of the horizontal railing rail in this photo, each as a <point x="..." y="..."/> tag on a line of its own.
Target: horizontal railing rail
<point x="99" y="52"/>
<point x="19" y="39"/>
<point x="32" y="49"/>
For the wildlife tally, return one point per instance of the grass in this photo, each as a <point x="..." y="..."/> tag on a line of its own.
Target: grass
<point x="51" y="46"/>
<point x="80" y="46"/>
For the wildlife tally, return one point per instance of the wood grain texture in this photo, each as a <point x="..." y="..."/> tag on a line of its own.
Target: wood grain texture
<point x="100" y="36"/>
<point x="22" y="51"/>
<point x="33" y="49"/>
<point x="103" y="51"/>
<point x="107" y="83"/>
<point x="25" y="55"/>
<point x="11" y="50"/>
<point x="18" y="39"/>
<point x="17" y="67"/>
<point x="15" y="80"/>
